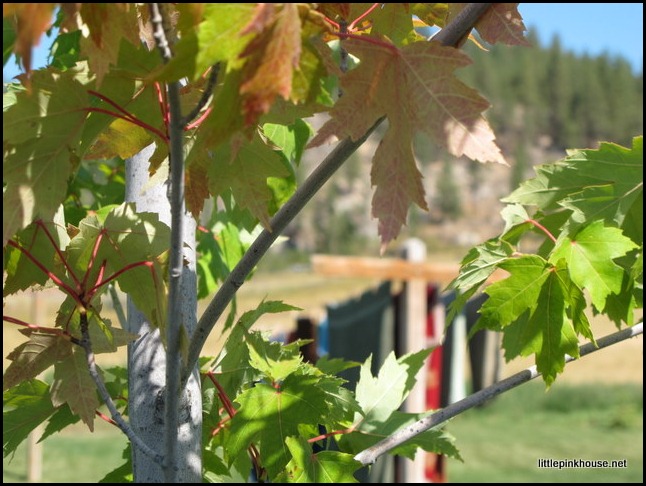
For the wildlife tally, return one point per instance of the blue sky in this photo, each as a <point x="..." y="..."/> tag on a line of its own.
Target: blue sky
<point x="593" y="28"/>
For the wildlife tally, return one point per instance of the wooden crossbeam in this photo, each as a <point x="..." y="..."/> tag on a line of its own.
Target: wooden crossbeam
<point x="388" y="268"/>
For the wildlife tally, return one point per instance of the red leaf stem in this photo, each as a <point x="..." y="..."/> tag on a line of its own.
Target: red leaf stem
<point x="199" y="120"/>
<point x="162" y="105"/>
<point x="332" y="23"/>
<point x="95" y="251"/>
<point x="135" y="121"/>
<point x="44" y="330"/>
<point x="113" y="103"/>
<point x="59" y="253"/>
<point x="53" y="277"/>
<point x="542" y="228"/>
<point x="362" y="16"/>
<point x="106" y="418"/>
<point x="365" y="38"/>
<point x="123" y="270"/>
<point x="330" y="434"/>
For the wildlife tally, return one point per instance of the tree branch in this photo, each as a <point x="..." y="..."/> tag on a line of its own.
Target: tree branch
<point x="86" y="344"/>
<point x="450" y="35"/>
<point x="206" y="94"/>
<point x="370" y="455"/>
<point x="162" y="36"/>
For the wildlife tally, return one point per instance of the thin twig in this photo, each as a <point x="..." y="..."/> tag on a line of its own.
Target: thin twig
<point x="461" y="25"/>
<point x="370" y="455"/>
<point x="206" y="94"/>
<point x="86" y="344"/>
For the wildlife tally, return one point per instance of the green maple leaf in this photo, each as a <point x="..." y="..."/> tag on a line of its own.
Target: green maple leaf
<point x="394" y="20"/>
<point x="380" y="396"/>
<point x="41" y="136"/>
<point x="268" y="415"/>
<point x="618" y="189"/>
<point x="602" y="184"/>
<point x="547" y="332"/>
<point x="415" y="88"/>
<point x="511" y="297"/>
<point x="272" y="358"/>
<point x="590" y="258"/>
<point x="244" y="167"/>
<point x="128" y="238"/>
<point x="575" y="302"/>
<point x="24" y="407"/>
<point x="220" y="35"/>
<point x="20" y="270"/>
<point x="475" y="268"/>
<point x="233" y="365"/>
<point x="322" y="467"/>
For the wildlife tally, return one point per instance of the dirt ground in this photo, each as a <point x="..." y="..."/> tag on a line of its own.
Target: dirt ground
<point x="617" y="364"/>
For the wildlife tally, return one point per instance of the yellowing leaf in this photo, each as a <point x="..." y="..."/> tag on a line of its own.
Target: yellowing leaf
<point x="415" y="88"/>
<point x="36" y="355"/>
<point x="108" y="24"/>
<point x="273" y="56"/>
<point x="122" y="138"/>
<point x="41" y="135"/>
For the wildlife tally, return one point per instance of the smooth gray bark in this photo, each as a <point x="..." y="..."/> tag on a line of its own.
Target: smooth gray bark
<point x="146" y="356"/>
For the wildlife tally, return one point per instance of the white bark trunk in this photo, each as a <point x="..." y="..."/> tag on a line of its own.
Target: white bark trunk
<point x="146" y="356"/>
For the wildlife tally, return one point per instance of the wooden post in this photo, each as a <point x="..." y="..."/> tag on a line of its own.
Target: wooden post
<point x="412" y="338"/>
<point x="34" y="449"/>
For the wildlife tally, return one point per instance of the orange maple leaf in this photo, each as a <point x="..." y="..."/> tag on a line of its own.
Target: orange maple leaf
<point x="32" y="21"/>
<point x="500" y="23"/>
<point x="416" y="89"/>
<point x="272" y="57"/>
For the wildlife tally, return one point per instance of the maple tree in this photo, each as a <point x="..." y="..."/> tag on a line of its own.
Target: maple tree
<point x="224" y="90"/>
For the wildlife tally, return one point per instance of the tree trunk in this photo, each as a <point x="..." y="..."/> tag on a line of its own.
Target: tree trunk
<point x="146" y="356"/>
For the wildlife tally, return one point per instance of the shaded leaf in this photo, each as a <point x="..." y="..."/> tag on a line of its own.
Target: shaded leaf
<point x="24" y="408"/>
<point x="60" y="419"/>
<point x="73" y="385"/>
<point x="244" y="170"/>
<point x="31" y="358"/>
<point x="41" y="135"/>
<point x="267" y="415"/>
<point x="323" y="467"/>
<point x="107" y="24"/>
<point x="21" y="272"/>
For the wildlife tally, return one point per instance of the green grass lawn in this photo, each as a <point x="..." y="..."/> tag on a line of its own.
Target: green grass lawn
<point x="500" y="442"/>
